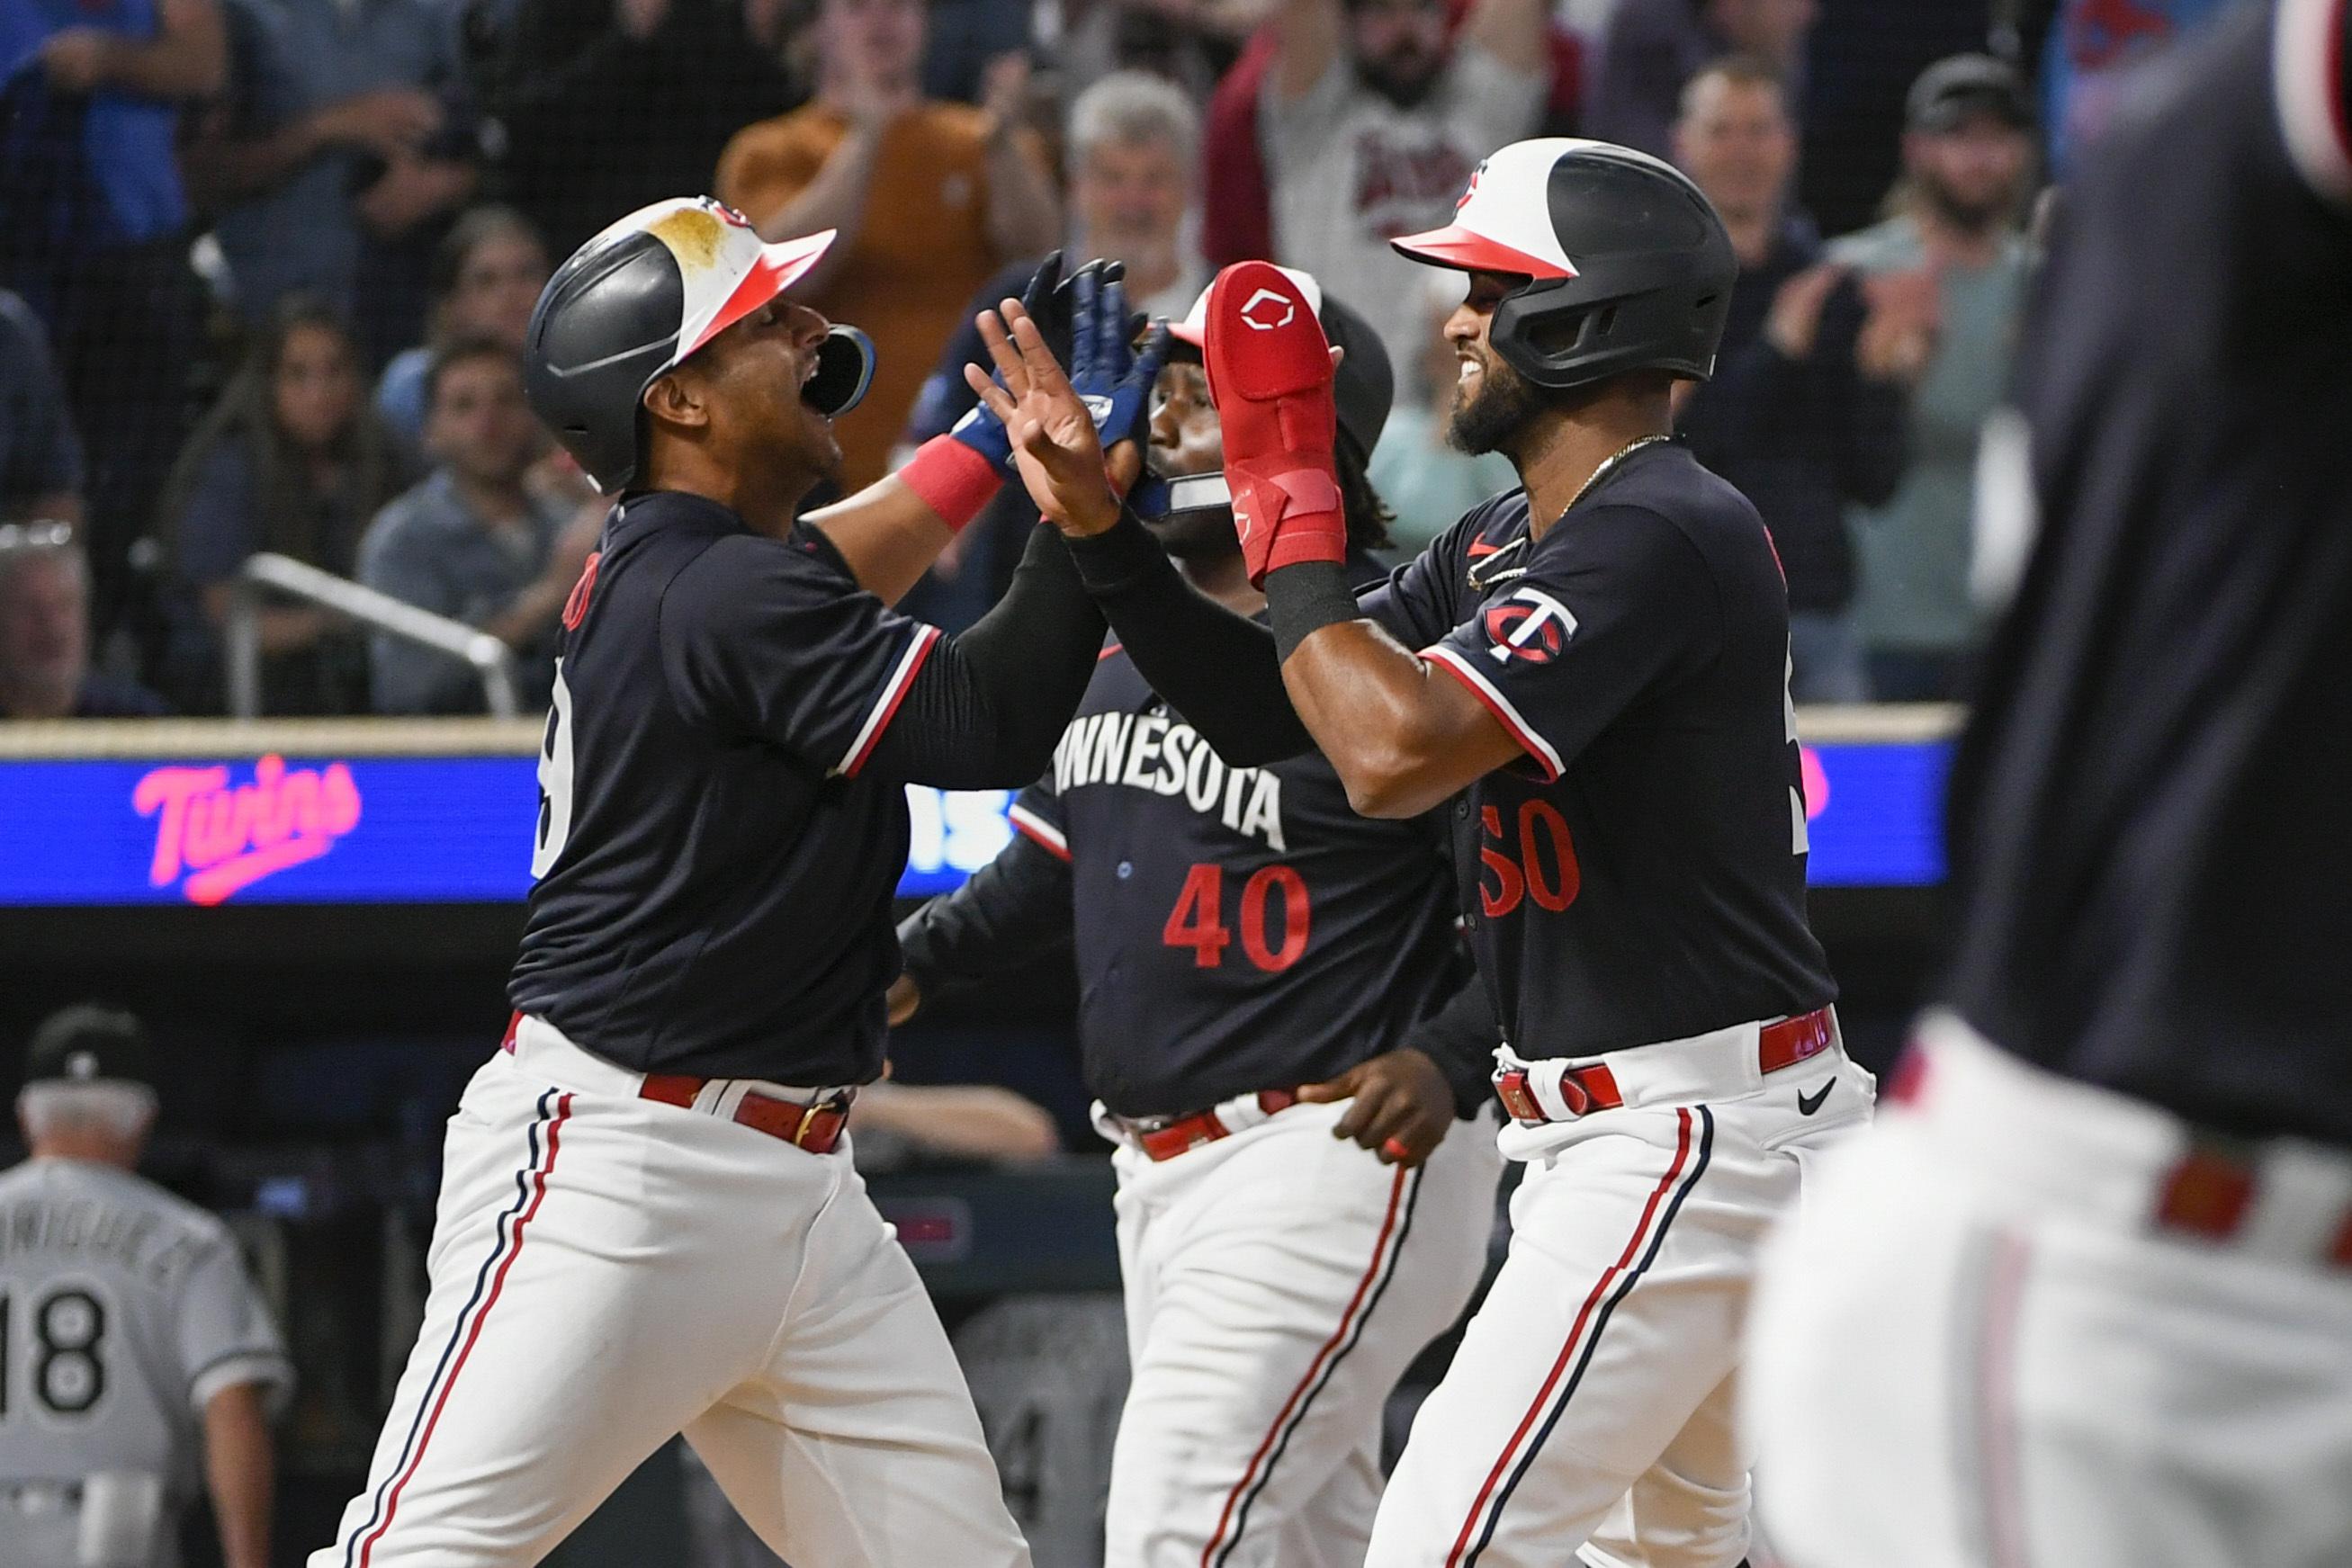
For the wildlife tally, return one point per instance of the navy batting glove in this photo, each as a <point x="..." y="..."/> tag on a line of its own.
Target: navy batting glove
<point x="1111" y="373"/>
<point x="1050" y="300"/>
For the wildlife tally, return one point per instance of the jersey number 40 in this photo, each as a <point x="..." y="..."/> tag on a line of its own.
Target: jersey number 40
<point x="1198" y="920"/>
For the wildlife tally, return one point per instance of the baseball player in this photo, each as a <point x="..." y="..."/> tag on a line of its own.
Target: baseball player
<point x="135" y="1356"/>
<point x="2084" y="1297"/>
<point x="648" y="1219"/>
<point x="1590" y="674"/>
<point x="1257" y="970"/>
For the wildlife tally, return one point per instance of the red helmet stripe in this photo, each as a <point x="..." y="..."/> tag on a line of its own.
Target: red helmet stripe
<point x="1454" y="245"/>
<point x="779" y="268"/>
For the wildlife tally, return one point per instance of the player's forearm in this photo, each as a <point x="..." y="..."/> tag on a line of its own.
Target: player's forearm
<point x="1013" y="910"/>
<point x="239" y="1473"/>
<point x="1400" y="738"/>
<point x="1213" y="666"/>
<point x="888" y="534"/>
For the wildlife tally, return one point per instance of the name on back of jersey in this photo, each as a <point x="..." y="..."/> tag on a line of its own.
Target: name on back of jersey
<point x="1167" y="757"/>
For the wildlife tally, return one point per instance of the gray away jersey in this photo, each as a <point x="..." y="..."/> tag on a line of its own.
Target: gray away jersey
<point x="123" y="1310"/>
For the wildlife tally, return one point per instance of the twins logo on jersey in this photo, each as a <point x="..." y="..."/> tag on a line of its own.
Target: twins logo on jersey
<point x="1530" y="626"/>
<point x="1151" y="752"/>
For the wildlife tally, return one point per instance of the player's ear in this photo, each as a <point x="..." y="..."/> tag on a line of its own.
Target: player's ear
<point x="675" y="399"/>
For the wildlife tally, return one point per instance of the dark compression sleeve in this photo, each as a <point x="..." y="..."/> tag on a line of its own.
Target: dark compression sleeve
<point x="1012" y="910"/>
<point x="988" y="704"/>
<point x="1213" y="666"/>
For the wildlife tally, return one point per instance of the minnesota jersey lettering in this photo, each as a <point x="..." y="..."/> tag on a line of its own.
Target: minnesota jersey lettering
<point x="1165" y="755"/>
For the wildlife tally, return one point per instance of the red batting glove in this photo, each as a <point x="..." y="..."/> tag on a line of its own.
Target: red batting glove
<point x="1270" y="378"/>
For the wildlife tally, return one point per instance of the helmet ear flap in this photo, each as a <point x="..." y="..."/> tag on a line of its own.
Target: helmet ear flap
<point x="845" y="369"/>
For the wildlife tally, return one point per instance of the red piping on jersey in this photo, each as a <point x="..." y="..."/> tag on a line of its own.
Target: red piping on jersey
<point x="1576" y="1332"/>
<point x="1314" y="1368"/>
<point x="1492" y="701"/>
<point x="391" y="1502"/>
<point x="928" y="639"/>
<point x="1039" y="832"/>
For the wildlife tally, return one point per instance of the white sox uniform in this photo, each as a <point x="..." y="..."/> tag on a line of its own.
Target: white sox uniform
<point x="2085" y="1298"/>
<point x="123" y="1311"/>
<point x="1240" y="932"/>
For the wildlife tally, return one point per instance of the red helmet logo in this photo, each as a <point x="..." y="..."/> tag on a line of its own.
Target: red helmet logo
<point x="1470" y="190"/>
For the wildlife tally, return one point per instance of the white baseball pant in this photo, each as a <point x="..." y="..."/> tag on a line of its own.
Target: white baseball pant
<point x="607" y="1272"/>
<point x="1278" y="1282"/>
<point x="1976" y="1347"/>
<point x="1589" y="1414"/>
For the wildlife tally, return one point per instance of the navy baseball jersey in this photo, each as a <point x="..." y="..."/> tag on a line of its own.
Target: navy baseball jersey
<point x="2151" y="812"/>
<point x="1235" y="928"/>
<point x="1640" y="875"/>
<point x="714" y="873"/>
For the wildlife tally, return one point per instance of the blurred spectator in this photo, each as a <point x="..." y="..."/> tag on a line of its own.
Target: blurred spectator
<point x="1807" y="407"/>
<point x="487" y="274"/>
<point x="40" y="460"/>
<point x="94" y="231"/>
<point x="1425" y="478"/>
<point x="1652" y="47"/>
<point x="44" y="643"/>
<point x="157" y="1365"/>
<point x="472" y="541"/>
<point x="345" y="142"/>
<point x="930" y="199"/>
<point x="291" y="460"/>
<point x="1968" y="154"/>
<point x="1373" y="118"/>
<point x="1132" y="146"/>
<point x="1188" y="42"/>
<point x="610" y="105"/>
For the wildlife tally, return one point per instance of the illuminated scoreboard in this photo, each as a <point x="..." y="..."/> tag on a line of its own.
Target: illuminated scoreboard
<point x="359" y="813"/>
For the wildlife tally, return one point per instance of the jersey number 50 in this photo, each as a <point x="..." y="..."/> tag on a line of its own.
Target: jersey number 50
<point x="1198" y="920"/>
<point x="1507" y="880"/>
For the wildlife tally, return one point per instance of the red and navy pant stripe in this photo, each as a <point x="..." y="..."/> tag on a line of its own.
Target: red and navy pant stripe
<point x="543" y="1137"/>
<point x="1694" y="1139"/>
<point x="1396" y="1224"/>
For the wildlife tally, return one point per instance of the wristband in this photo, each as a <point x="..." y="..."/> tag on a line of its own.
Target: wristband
<point x="1302" y="600"/>
<point x="952" y="480"/>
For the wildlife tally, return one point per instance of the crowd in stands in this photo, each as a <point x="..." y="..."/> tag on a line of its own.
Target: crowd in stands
<point x="265" y="267"/>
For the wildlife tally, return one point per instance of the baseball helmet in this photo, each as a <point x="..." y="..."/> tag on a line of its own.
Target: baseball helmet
<point x="638" y="299"/>
<point x="1627" y="266"/>
<point x="1363" y="389"/>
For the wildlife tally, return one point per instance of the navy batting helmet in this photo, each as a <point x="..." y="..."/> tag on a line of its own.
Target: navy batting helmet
<point x="1627" y="266"/>
<point x="640" y="297"/>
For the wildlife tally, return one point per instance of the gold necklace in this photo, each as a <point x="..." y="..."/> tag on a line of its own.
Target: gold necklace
<point x="1610" y="463"/>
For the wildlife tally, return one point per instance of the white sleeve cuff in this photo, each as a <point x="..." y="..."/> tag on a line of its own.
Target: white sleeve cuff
<point x="269" y="1367"/>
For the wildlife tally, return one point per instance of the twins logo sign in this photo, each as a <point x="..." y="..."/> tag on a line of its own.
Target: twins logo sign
<point x="1530" y="625"/>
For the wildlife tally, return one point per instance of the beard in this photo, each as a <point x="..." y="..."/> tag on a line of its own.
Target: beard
<point x="1505" y="400"/>
<point x="1968" y="215"/>
<point x="1404" y="81"/>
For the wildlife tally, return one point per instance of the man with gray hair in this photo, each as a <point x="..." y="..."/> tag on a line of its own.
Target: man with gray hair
<point x="1132" y="142"/>
<point x="137" y="1344"/>
<point x="44" y="670"/>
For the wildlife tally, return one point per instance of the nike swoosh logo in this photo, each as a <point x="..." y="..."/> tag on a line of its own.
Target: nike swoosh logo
<point x="1480" y="547"/>
<point x="1806" y="1107"/>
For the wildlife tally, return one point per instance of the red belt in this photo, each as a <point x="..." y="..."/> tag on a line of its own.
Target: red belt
<point x="1592" y="1087"/>
<point x="817" y="1128"/>
<point x="1164" y="1140"/>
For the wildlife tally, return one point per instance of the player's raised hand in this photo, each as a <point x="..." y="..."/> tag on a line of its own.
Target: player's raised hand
<point x="1402" y="1106"/>
<point x="1054" y="448"/>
